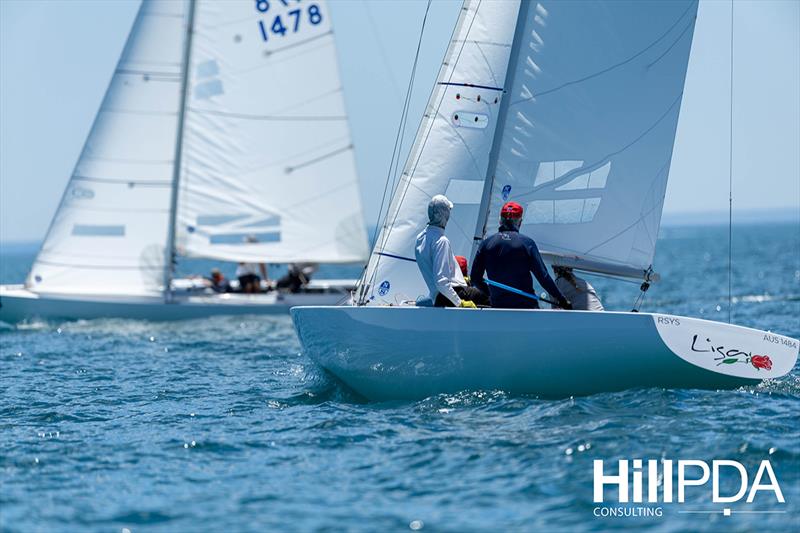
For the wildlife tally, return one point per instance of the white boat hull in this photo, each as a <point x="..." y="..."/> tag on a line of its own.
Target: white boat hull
<point x="18" y="304"/>
<point x="386" y="353"/>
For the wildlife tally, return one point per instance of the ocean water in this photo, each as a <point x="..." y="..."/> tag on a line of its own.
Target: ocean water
<point x="223" y="425"/>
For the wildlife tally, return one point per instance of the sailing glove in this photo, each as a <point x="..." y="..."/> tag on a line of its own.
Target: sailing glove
<point x="565" y="304"/>
<point x="468" y="304"/>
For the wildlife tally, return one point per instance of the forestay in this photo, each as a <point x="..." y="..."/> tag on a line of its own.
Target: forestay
<point x="451" y="152"/>
<point x="588" y="137"/>
<point x="267" y="153"/>
<point x="109" y="233"/>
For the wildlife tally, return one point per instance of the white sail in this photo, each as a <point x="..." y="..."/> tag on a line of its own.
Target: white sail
<point x="585" y="123"/>
<point x="588" y="139"/>
<point x="451" y="152"/>
<point x="267" y="152"/>
<point x="109" y="233"/>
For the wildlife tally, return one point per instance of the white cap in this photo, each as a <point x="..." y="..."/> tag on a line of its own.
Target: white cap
<point x="439" y="210"/>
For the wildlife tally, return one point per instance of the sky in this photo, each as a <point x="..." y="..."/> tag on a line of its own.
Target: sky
<point x="56" y="59"/>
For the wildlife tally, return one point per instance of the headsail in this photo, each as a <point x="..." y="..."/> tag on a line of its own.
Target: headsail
<point x="451" y="152"/>
<point x="267" y="151"/>
<point x="585" y="129"/>
<point x="109" y="233"/>
<point x="588" y="140"/>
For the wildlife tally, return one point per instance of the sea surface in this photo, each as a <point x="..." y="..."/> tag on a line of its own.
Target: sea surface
<point x="223" y="425"/>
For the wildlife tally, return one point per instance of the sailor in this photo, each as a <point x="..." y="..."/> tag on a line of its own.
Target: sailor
<point x="218" y="281"/>
<point x="577" y="290"/>
<point x="479" y="297"/>
<point x="509" y="258"/>
<point x="247" y="273"/>
<point x="462" y="264"/>
<point x="436" y="261"/>
<point x="299" y="275"/>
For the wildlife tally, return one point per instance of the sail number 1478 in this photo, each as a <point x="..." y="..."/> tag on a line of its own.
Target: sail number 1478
<point x="288" y="22"/>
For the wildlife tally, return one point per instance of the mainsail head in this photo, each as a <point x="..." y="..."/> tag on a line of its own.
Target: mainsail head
<point x="589" y="96"/>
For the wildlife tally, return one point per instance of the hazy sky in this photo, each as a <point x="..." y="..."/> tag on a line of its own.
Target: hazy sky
<point x="56" y="58"/>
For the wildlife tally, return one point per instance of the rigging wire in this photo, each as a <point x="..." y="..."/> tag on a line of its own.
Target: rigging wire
<point x="384" y="56"/>
<point x="730" y="185"/>
<point x="424" y="139"/>
<point x="404" y="122"/>
<point x="398" y="143"/>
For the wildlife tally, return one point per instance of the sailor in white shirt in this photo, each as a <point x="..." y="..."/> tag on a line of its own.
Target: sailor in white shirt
<point x="437" y="263"/>
<point x="577" y="290"/>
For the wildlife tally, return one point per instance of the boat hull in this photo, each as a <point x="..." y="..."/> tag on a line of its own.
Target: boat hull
<point x="387" y="353"/>
<point x="18" y="304"/>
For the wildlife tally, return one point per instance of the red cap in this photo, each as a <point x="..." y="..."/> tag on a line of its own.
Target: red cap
<point x="462" y="262"/>
<point x="511" y="210"/>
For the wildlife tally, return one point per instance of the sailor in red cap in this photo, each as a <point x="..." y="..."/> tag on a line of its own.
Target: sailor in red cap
<point x="509" y="258"/>
<point x="462" y="264"/>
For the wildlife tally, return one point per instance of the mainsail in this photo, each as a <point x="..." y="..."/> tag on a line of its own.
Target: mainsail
<point x="268" y="167"/>
<point x="588" y="138"/>
<point x="109" y="233"/>
<point x="575" y="120"/>
<point x="266" y="172"/>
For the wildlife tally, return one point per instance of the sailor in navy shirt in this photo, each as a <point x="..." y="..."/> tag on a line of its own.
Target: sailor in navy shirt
<point x="509" y="258"/>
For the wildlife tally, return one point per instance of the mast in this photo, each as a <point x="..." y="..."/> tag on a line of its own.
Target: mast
<point x="494" y="155"/>
<point x="176" y="170"/>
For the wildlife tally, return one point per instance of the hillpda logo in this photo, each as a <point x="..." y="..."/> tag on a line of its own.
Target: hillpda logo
<point x="654" y="483"/>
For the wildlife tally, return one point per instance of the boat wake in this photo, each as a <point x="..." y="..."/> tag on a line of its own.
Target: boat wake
<point x="786" y="386"/>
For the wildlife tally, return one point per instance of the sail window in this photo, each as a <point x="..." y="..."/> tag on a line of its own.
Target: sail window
<point x="207" y="69"/>
<point x="595" y="179"/>
<point x="91" y="230"/>
<point x="241" y="221"/>
<point x="241" y="238"/>
<point x="590" y="209"/>
<point x="208" y="89"/>
<point x="580" y="182"/>
<point x="552" y="170"/>
<point x="217" y="220"/>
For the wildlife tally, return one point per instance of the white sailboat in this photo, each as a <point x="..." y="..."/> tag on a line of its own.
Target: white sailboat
<point x="222" y="135"/>
<point x="571" y="109"/>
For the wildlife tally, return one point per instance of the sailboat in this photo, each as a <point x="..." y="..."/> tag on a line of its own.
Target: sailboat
<point x="570" y="109"/>
<point x="222" y="135"/>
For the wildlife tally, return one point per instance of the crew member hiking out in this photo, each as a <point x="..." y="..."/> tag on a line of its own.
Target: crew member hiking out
<point x="436" y="261"/>
<point x="509" y="258"/>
